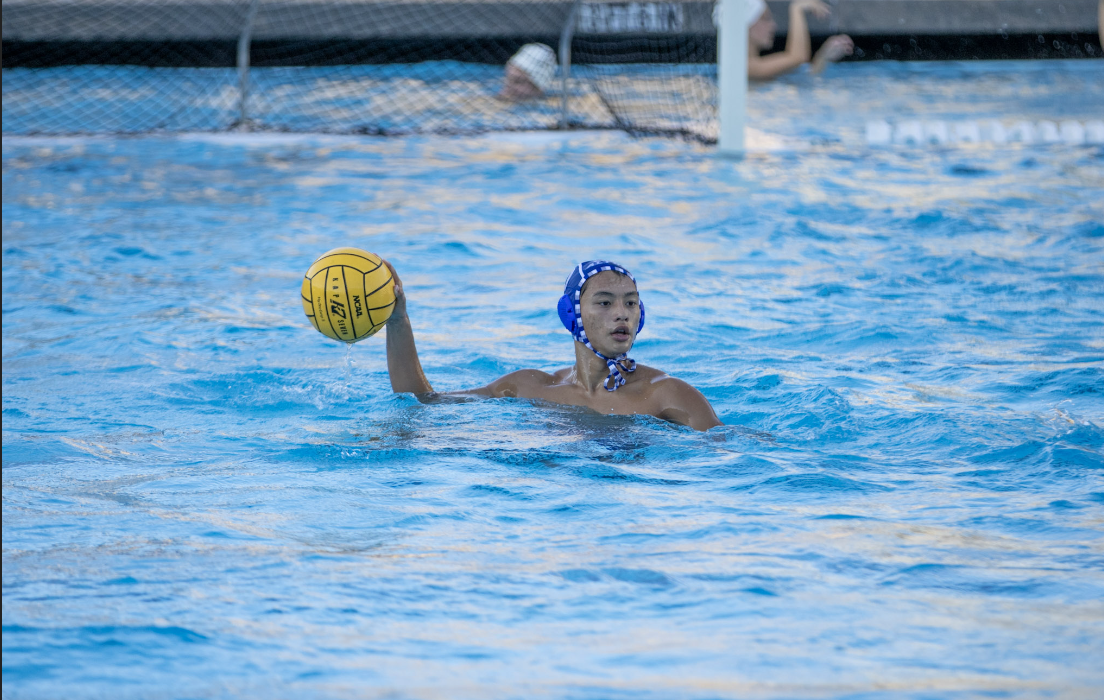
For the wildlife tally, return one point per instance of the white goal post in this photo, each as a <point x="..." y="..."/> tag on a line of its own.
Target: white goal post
<point x="732" y="81"/>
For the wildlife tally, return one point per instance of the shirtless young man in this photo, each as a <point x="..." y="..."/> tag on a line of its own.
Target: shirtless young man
<point x="603" y="308"/>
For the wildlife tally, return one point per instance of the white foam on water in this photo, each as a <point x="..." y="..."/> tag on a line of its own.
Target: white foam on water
<point x="914" y="132"/>
<point x="879" y="133"/>
<point x="1072" y="132"/>
<point x="910" y="132"/>
<point x="1048" y="132"/>
<point x="1094" y="131"/>
<point x="756" y="141"/>
<point x="1023" y="132"/>
<point x="993" y="131"/>
<point x="966" y="132"/>
<point x="936" y="132"/>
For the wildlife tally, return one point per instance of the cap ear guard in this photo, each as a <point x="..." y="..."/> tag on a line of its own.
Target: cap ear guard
<point x="566" y="309"/>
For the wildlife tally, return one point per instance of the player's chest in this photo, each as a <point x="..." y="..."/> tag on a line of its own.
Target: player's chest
<point x="624" y="401"/>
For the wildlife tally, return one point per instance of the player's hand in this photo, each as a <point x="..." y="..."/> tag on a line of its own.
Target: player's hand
<point x="398" y="314"/>
<point x="835" y="48"/>
<point x="818" y="8"/>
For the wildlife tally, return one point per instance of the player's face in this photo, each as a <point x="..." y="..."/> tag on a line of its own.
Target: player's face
<point x="611" y="312"/>
<point x="761" y="33"/>
<point x="518" y="86"/>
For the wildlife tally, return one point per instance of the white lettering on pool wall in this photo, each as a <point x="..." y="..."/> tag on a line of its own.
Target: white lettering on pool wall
<point x="628" y="17"/>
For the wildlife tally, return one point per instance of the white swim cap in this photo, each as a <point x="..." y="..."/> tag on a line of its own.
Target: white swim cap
<point x="538" y="61"/>
<point x="755" y="10"/>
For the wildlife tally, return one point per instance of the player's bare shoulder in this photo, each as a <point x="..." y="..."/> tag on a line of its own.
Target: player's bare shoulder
<point x="677" y="400"/>
<point x="524" y="383"/>
<point x="651" y="382"/>
<point x="649" y="375"/>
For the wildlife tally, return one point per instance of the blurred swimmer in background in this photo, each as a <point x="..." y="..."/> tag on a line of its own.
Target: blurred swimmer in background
<point x="799" y="47"/>
<point x="529" y="73"/>
<point x="602" y="309"/>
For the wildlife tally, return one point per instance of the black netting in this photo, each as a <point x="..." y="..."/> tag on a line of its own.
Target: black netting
<point x="352" y="66"/>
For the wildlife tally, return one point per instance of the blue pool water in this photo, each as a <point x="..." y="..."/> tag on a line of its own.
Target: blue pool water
<point x="205" y="498"/>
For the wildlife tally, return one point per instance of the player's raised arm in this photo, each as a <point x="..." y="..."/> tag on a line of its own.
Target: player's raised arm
<point x="402" y="355"/>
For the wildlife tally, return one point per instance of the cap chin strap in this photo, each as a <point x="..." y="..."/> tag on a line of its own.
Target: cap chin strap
<point x="617" y="365"/>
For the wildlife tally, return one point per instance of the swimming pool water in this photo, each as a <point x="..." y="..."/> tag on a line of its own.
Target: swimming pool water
<point x="204" y="497"/>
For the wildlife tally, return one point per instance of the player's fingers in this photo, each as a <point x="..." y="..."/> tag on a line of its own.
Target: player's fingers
<point x="395" y="276"/>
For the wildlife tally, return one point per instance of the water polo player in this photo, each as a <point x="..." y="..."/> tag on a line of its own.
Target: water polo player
<point x="602" y="309"/>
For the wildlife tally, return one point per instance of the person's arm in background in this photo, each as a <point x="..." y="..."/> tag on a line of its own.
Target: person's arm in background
<point x="798" y="45"/>
<point x="402" y="355"/>
<point x="833" y="49"/>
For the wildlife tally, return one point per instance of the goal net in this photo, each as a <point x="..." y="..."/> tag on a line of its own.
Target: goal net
<point x="357" y="66"/>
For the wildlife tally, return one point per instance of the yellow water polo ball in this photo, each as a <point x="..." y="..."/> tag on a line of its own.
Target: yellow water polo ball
<point x="348" y="294"/>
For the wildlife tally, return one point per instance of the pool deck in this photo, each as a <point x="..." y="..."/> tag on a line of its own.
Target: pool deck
<point x="205" y="20"/>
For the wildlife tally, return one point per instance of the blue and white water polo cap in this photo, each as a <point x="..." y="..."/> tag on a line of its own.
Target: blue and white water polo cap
<point x="571" y="315"/>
